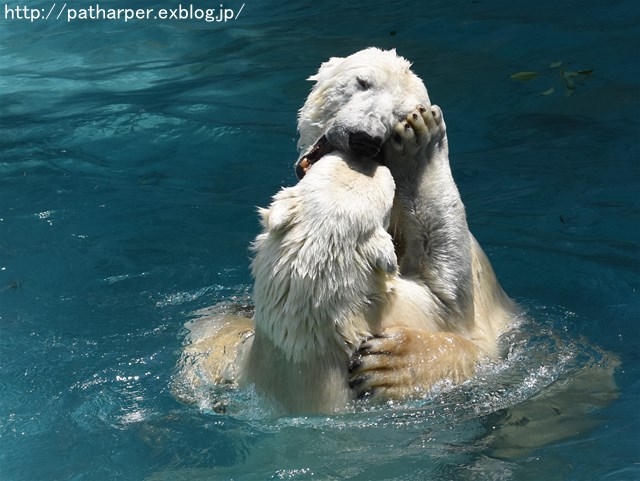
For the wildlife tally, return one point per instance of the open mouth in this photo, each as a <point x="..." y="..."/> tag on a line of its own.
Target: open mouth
<point x="321" y="148"/>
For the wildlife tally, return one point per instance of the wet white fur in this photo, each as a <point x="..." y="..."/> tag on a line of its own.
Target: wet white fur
<point x="325" y="270"/>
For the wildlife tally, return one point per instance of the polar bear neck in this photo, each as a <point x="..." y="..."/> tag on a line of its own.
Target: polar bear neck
<point x="315" y="289"/>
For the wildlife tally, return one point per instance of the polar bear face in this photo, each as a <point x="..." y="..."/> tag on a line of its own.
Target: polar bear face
<point x="356" y="102"/>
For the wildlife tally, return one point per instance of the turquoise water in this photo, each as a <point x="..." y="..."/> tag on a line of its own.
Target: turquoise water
<point x="133" y="154"/>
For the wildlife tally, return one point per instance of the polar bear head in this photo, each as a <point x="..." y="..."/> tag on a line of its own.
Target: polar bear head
<point x="325" y="263"/>
<point x="355" y="103"/>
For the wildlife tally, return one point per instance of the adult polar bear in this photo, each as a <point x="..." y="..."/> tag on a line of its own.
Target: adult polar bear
<point x="370" y="105"/>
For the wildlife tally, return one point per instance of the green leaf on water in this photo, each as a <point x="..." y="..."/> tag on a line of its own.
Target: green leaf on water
<point x="525" y="76"/>
<point x="568" y="80"/>
<point x="569" y="74"/>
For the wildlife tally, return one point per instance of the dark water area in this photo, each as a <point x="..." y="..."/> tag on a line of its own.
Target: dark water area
<point x="133" y="156"/>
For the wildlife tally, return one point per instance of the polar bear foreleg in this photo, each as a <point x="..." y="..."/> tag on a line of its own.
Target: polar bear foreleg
<point x="429" y="223"/>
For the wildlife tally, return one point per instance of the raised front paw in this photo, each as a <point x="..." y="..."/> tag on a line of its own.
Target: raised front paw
<point x="422" y="128"/>
<point x="406" y="362"/>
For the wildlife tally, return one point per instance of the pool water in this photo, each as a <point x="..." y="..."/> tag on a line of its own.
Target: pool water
<point x="133" y="156"/>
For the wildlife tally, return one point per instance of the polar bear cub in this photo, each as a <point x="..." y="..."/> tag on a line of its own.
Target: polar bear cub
<point x="324" y="267"/>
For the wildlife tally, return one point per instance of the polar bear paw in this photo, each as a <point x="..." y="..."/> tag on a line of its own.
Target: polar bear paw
<point x="404" y="363"/>
<point x="422" y="128"/>
<point x="416" y="135"/>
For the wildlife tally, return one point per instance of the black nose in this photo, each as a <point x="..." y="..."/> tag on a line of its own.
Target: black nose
<point x="364" y="145"/>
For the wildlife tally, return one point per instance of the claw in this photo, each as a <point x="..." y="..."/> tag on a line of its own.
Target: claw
<point x="437" y="114"/>
<point x="358" y="384"/>
<point x="355" y="363"/>
<point x="357" y="381"/>
<point x="365" y="394"/>
<point x="364" y="349"/>
<point x="367" y="347"/>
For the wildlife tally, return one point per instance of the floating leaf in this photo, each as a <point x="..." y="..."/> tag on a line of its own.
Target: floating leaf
<point x="568" y="79"/>
<point x="547" y="92"/>
<point x="585" y="72"/>
<point x="555" y="64"/>
<point x="525" y="76"/>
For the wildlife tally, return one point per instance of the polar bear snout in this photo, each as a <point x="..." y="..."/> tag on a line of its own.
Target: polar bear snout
<point x="363" y="144"/>
<point x="360" y="129"/>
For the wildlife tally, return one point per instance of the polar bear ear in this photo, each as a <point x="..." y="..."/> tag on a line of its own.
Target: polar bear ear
<point x="326" y="68"/>
<point x="278" y="218"/>
<point x="281" y="213"/>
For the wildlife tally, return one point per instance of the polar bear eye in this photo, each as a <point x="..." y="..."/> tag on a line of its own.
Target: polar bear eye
<point x="363" y="83"/>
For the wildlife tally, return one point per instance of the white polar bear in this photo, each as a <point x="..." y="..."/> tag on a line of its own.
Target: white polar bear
<point x="324" y="268"/>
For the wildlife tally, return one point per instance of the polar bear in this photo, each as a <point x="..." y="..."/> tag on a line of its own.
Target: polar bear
<point x="393" y="332"/>
<point x="372" y="105"/>
<point x="324" y="270"/>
